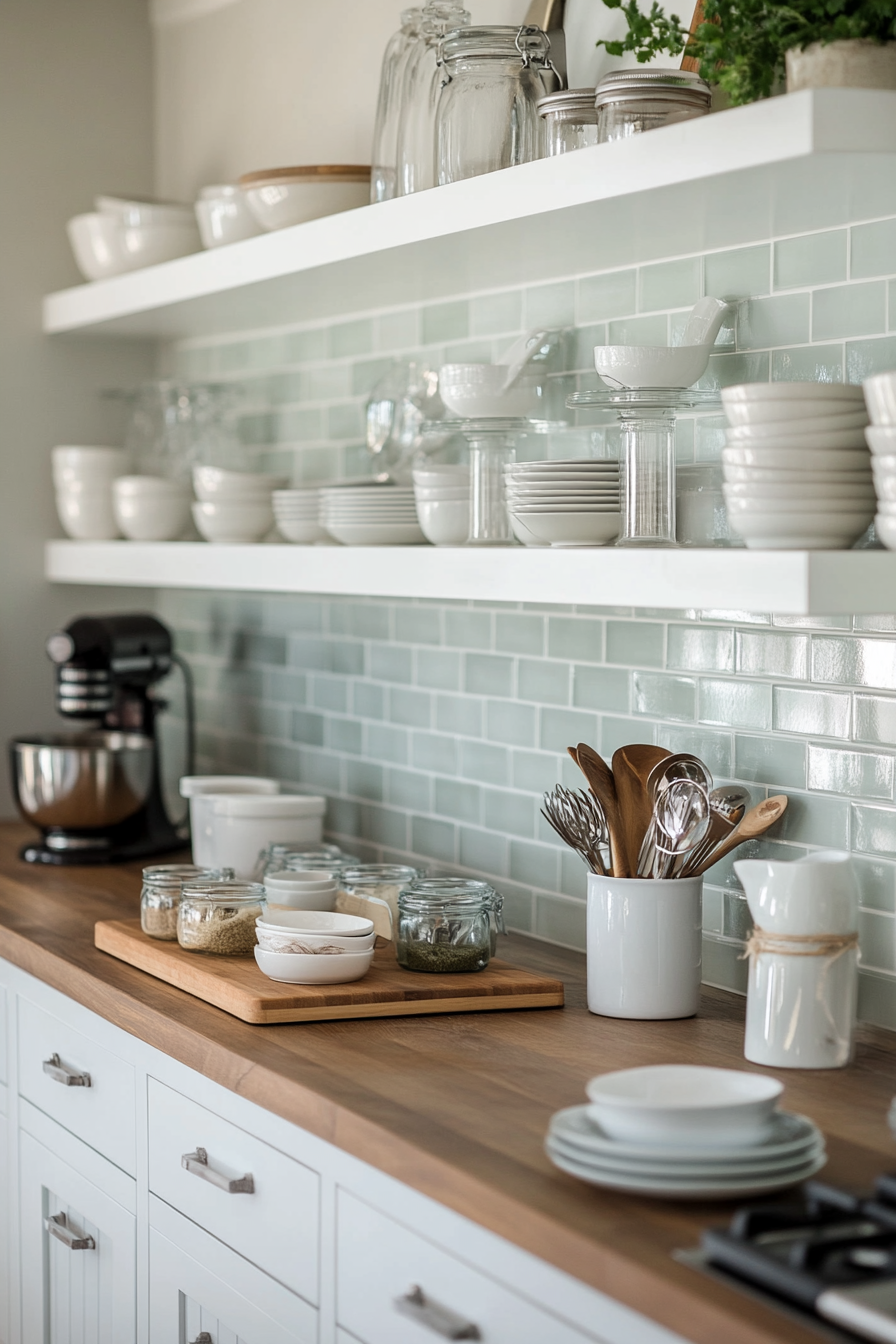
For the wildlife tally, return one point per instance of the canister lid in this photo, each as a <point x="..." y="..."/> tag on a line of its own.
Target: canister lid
<point x="572" y="104"/>
<point x="272" y="805"/>
<point x="674" y="86"/>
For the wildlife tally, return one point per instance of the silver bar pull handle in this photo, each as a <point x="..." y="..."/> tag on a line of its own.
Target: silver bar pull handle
<point x="440" y="1320"/>
<point x="61" y="1073"/>
<point x="197" y="1163"/>
<point x="58" y="1226"/>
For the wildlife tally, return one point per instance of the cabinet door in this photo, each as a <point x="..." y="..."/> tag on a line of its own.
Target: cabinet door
<point x="78" y="1254"/>
<point x="5" y="1277"/>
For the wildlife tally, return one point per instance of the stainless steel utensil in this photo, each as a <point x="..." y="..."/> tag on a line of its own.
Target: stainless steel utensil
<point x="728" y="805"/>
<point x="680" y="766"/>
<point x="81" y="781"/>
<point x="579" y="820"/>
<point x="682" y="819"/>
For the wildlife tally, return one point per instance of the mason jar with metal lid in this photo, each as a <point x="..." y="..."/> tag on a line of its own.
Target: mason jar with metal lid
<point x="444" y="926"/>
<point x="569" y="120"/>
<point x="629" y="102"/>
<point x="160" y="896"/>
<point x="493" y="79"/>
<point x="220" y="917"/>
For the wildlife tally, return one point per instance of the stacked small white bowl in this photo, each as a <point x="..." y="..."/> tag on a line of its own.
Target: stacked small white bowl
<point x="305" y="889"/>
<point x="125" y="235"/>
<point x="151" y="508"/>
<point x="797" y="468"/>
<point x="566" y="503"/>
<point x="296" y="512"/>
<point x="83" y="479"/>
<point x="307" y="947"/>
<point x="371" y="515"/>
<point x="442" y="495"/>
<point x="233" y="506"/>
<point x="880" y="397"/>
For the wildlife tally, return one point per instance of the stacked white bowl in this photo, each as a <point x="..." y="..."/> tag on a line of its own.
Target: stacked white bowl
<point x="83" y="479"/>
<point x="442" y="495"/>
<point x="124" y="235"/>
<point x="880" y="398"/>
<point x="797" y="469"/>
<point x="305" y="889"/>
<point x="566" y="503"/>
<point x="296" y="512"/>
<point x="371" y="515"/>
<point x="151" y="508"/>
<point x="310" y="947"/>
<point x="233" y="506"/>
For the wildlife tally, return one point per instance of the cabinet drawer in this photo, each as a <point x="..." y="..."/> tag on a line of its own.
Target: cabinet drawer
<point x="103" y="1114"/>
<point x="379" y="1261"/>
<point x="276" y="1226"/>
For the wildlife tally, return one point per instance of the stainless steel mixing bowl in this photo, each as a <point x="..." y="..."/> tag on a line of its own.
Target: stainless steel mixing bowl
<point x="81" y="781"/>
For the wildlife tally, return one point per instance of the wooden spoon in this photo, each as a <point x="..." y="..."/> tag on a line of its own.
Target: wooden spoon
<point x="603" y="786"/>
<point x="754" y="823"/>
<point x="631" y="768"/>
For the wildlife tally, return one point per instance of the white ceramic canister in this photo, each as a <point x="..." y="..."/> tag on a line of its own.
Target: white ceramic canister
<point x="803" y="981"/>
<point x="199" y="789"/>
<point x="644" y="945"/>
<point x="245" y="824"/>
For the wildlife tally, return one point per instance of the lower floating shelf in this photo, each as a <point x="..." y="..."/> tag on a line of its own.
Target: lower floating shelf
<point x="797" y="583"/>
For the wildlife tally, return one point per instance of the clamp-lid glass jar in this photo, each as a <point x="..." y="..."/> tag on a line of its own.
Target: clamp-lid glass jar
<point x="220" y="917"/>
<point x="160" y="896"/>
<point x="629" y="102"/>
<point x="274" y="858"/>
<point x="569" y="120"/>
<point x="383" y="881"/>
<point x="444" y="925"/>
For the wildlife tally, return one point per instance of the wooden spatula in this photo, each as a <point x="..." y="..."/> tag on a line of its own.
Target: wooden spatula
<point x="631" y="767"/>
<point x="754" y="823"/>
<point x="602" y="785"/>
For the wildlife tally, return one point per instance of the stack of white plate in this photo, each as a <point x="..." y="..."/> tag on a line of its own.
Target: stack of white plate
<point x="680" y="1132"/>
<point x="797" y="469"/>
<point x="442" y="495"/>
<point x="880" y="396"/>
<point x="371" y="515"/>
<point x="567" y="503"/>
<point x="296" y="512"/>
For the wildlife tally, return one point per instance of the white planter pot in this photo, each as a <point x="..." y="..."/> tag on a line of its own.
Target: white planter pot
<point x="854" y="64"/>
<point x="644" y="945"/>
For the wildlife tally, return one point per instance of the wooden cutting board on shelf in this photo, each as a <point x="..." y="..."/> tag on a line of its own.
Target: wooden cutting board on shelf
<point x="238" y="986"/>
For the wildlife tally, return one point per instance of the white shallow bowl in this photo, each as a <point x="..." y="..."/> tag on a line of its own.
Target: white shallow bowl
<point x="445" y="522"/>
<point x="799" y="414"/>
<point x="98" y="466"/>
<point x="881" y="439"/>
<point x="884" y="464"/>
<point x="223" y="216"/>
<point x="885" y="526"/>
<point x="377" y="534"/>
<point x="87" y="513"/>
<point x="473" y="390"/>
<point x="320" y="922"/>
<point x="684" y="1106"/>
<point x="797" y="391"/>
<point x="296" y="899"/>
<point x="809" y="493"/>
<point x="232" y="523"/>
<point x="795" y="503"/>
<point x="522" y="533"/>
<point x="799" y="532"/>
<point x="772" y="436"/>
<point x="134" y="212"/>
<point x="584" y="529"/>
<point x="460" y="491"/>
<point x="302" y="532"/>
<point x="798" y="459"/>
<point x="295" y="943"/>
<point x="885" y="487"/>
<point x="651" y="365"/>
<point x="293" y="968"/>
<point x="880" y="398"/>
<point x="217" y="484"/>
<point x="148" y="508"/>
<point x="95" y="241"/>
<point x="281" y="197"/>
<point x="784" y="476"/>
<point x="454" y="473"/>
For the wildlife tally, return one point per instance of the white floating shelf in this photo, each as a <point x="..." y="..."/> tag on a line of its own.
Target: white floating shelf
<point x="797" y="583"/>
<point x="811" y="159"/>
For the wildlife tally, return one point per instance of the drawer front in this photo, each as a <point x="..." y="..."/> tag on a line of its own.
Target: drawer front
<point x="379" y="1262"/>
<point x="103" y="1114"/>
<point x="276" y="1225"/>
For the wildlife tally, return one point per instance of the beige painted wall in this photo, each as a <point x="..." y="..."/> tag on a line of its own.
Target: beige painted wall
<point x="260" y="83"/>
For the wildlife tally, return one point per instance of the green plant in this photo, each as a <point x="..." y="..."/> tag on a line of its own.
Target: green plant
<point x="740" y="44"/>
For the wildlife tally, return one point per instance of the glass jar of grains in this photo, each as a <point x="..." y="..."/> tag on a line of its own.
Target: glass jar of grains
<point x="569" y="120"/>
<point x="160" y="896"/>
<point x="381" y="880"/>
<point x="631" y="101"/>
<point x="220" y="917"/>
<point x="444" y="925"/>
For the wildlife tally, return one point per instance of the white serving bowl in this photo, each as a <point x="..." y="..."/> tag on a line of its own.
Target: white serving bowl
<point x="292" y="943"/>
<point x="880" y="398"/>
<point x="96" y="242"/>
<point x="150" y="508"/>
<point x="135" y="213"/>
<point x="795" y="503"/>
<point x="684" y="1106"/>
<point x="885" y="526"/>
<point x="575" y="528"/>
<point x="844" y="414"/>
<point x="472" y="390"/>
<point x="651" y="365"/>
<point x="292" y="968"/>
<point x="886" y="508"/>
<point x="884" y="463"/>
<point x="96" y="466"/>
<point x="280" y="197"/>
<point x="881" y="439"/>
<point x="303" y="532"/>
<point x="376" y="534"/>
<point x="449" y="473"/>
<point x="772" y="436"/>
<point x="441" y="492"/>
<point x="216" y="484"/>
<point x="805" y="492"/>
<point x="797" y="459"/>
<point x="318" y="921"/>
<point x="223" y="216"/>
<point x="794" y="531"/>
<point x="445" y="522"/>
<point x="885" y="487"/>
<point x="232" y="523"/>
<point x="797" y="391"/>
<point x="785" y="476"/>
<point x="86" y="512"/>
<point x="152" y="244"/>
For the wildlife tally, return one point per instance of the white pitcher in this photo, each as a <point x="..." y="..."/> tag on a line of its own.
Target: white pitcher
<point x="801" y="997"/>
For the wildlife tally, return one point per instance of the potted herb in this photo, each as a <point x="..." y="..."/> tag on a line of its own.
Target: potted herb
<point x="747" y="46"/>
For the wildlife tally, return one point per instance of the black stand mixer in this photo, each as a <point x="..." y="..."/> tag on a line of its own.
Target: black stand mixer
<point x="96" y="795"/>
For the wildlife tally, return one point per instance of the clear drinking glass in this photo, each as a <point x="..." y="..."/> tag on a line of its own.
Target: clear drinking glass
<point x="490" y="453"/>
<point x="416" y="168"/>
<point x="384" y="156"/>
<point x="629" y="102"/>
<point x="176" y="426"/>
<point x="569" y="120"/>
<point x="487" y="117"/>
<point x="648" y="480"/>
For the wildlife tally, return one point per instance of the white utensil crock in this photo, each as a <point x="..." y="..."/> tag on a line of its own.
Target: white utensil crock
<point x="644" y="944"/>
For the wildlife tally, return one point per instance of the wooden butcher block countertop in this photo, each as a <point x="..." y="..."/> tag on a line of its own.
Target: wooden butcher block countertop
<point x="457" y="1106"/>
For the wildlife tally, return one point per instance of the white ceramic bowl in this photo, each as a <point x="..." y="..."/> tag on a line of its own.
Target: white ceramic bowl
<point x="302" y="532"/>
<point x="583" y="529"/>
<point x="149" y="508"/>
<point x="376" y="534"/>
<point x="881" y="439"/>
<point x="804" y="492"/>
<point x="886" y="508"/>
<point x="799" y="414"/>
<point x="797" y="459"/>
<point x="301" y="898"/>
<point x="885" y="486"/>
<point x="152" y="244"/>
<point x="880" y="398"/>
<point x="471" y="390"/>
<point x="135" y="213"/>
<point x="201" y="791"/>
<point x="445" y="522"/>
<point x="794" y="531"/>
<point x="884" y="463"/>
<point x="281" y="197"/>
<point x="232" y="523"/>
<point x="651" y="365"/>
<point x="784" y="476"/>
<point x="885" y="526"/>
<point x="293" y="968"/>
<point x="98" y="466"/>
<point x="242" y="825"/>
<point x="797" y="391"/>
<point x="215" y="484"/>
<point x="223" y="216"/>
<point x="522" y="533"/>
<point x="86" y="512"/>
<point x="441" y="492"/>
<point x="96" y="242"/>
<point x="793" y="503"/>
<point x="684" y="1106"/>
<point x="311" y="921"/>
<point x="448" y="473"/>
<point x="293" y="943"/>
<point x="301" y="879"/>
<point x="772" y="436"/>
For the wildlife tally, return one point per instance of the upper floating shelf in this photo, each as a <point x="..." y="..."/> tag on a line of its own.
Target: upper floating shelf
<point x="785" y="165"/>
<point x="795" y="583"/>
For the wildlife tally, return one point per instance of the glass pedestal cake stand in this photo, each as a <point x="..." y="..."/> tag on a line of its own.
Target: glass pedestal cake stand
<point x="646" y="417"/>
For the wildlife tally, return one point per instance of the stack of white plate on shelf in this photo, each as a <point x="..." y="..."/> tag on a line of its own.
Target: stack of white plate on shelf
<point x="371" y="515"/>
<point x="880" y="396"/>
<point x="797" y="468"/>
<point x="296" y="512"/>
<point x="568" y="503"/>
<point x="685" y="1132"/>
<point x="442" y="495"/>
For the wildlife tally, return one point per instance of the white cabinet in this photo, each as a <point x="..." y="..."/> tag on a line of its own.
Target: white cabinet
<point x="4" y="1221"/>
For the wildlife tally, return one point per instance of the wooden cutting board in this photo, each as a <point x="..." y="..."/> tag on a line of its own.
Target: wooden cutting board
<point x="238" y="986"/>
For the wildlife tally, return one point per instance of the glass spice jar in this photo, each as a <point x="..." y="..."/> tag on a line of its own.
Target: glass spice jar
<point x="629" y="102"/>
<point x="569" y="120"/>
<point x="445" y="925"/>
<point x="220" y="917"/>
<point x="381" y="880"/>
<point x="160" y="896"/>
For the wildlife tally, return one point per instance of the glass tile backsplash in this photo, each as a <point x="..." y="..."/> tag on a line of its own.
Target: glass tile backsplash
<point x="434" y="727"/>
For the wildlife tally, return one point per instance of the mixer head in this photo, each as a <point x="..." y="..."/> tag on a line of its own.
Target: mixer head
<point x="106" y="664"/>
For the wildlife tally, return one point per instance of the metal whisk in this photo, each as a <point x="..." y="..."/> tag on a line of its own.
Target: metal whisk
<point x="579" y="820"/>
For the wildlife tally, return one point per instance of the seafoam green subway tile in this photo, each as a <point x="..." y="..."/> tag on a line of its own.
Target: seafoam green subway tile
<point x="560" y="921"/>
<point x="877" y="939"/>
<point x="723" y="965"/>
<point x="511" y="723"/>
<point x="485" y="762"/>
<point x="652" y="330"/>
<point x="284" y="388"/>
<point x="581" y="355"/>
<point x="330" y="693"/>
<point x="343" y="735"/>
<point x="384" y="826"/>
<point x="551" y="305"/>
<point x="418" y="625"/>
<point x="875" y="719"/>
<point x="317" y="768"/>
<point x="436" y="839"/>
<point x="602" y="688"/>
<point x="740" y="273"/>
<point x="299" y="347"/>
<point x="854" y="662"/>
<point x="617" y="732"/>
<point x="862" y="774"/>
<point x="661" y="695"/>
<point x="772" y="655"/>
<point x="734" y="703"/>
<point x="397" y="331"/>
<point x="709" y="438"/>
<point x="368" y="700"/>
<point x="536" y="771"/>
<point x="635" y="643"/>
<point x="470" y="352"/>
<point x="434" y="751"/>
<point x="877" y="883"/>
<point x="561" y="728"/>
<point x="573" y="875"/>
<point x="712" y="910"/>
<point x="308" y="727"/>
<point x="344" y="816"/>
<point x="438" y="669"/>
<point x="391" y="662"/>
<point x="736" y="919"/>
<point x="573" y="637"/>
<point x="488" y="674"/>
<point x="351" y="338"/>
<point x="729" y="369"/>
<point x="459" y="714"/>
<point x="714" y="747"/>
<point x="669" y="284"/>
<point x="864" y="358"/>
<point x="880" y="624"/>
<point x="345" y="422"/>
<point x="544" y="681"/>
<point x="736" y="617"/>
<point x="874" y="829"/>
<point x="484" y="851"/>
<point x="808" y="363"/>
<point x="446" y="322"/>
<point x="695" y="648"/>
<point x="519" y="912"/>
<point x="872" y="248"/>
<point x="777" y="762"/>
<point x="601" y="297"/>
<point x="814" y="259"/>
<point x="459" y="799"/>
<point x="877" y="1002"/>
<point x="812" y="622"/>
<point x="364" y="779"/>
<point x="808" y="711"/>
<point x="536" y="865"/>
<point x="495" y="314"/>
<point x="519" y="633"/>
<point x="781" y="320"/>
<point x="467" y="629"/>
<point x="278" y="684"/>
<point x="409" y="789"/>
<point x="815" y="821"/>
<point x="385" y="743"/>
<point x="510" y="813"/>
<point x="849" y="310"/>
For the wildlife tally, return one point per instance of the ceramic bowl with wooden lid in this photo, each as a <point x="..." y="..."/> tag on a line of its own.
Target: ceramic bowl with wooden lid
<point x="281" y="197"/>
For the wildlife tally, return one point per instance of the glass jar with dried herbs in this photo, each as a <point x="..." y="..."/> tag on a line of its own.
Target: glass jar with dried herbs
<point x="445" y="925"/>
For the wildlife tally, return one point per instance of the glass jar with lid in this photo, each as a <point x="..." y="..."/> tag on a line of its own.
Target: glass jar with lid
<point x="160" y="896"/>
<point x="492" y="81"/>
<point x="629" y="102"/>
<point x="383" y="881"/>
<point x="220" y="917"/>
<point x="445" y="925"/>
<point x="569" y="120"/>
<point x="276" y="856"/>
